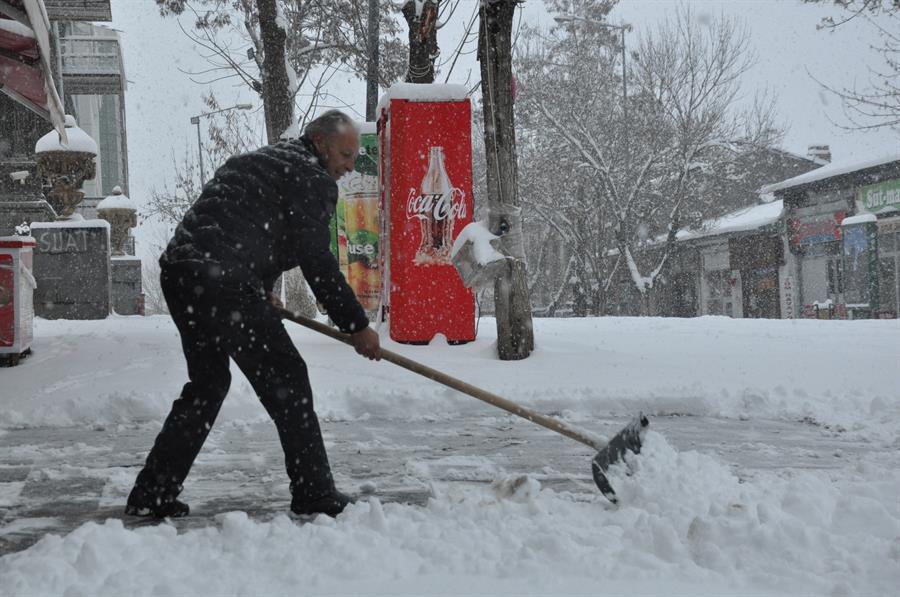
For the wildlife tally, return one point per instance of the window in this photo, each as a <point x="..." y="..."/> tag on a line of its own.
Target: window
<point x="99" y="116"/>
<point x="887" y="287"/>
<point x="719" y="301"/>
<point x="889" y="269"/>
<point x="835" y="274"/>
<point x="109" y="141"/>
<point x="822" y="249"/>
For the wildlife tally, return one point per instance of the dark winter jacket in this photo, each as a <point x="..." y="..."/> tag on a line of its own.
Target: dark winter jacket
<point x="263" y="213"/>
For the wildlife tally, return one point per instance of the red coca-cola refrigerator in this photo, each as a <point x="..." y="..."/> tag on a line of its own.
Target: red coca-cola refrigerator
<point x="426" y="189"/>
<point x="16" y="297"/>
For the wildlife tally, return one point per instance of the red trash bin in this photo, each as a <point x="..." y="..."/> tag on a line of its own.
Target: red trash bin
<point x="426" y="170"/>
<point x="16" y="297"/>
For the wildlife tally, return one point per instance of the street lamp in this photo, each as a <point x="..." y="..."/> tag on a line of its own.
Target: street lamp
<point x="564" y="18"/>
<point x="196" y="120"/>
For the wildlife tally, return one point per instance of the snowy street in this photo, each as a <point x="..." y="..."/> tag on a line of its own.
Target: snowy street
<point x="67" y="476"/>
<point x="771" y="466"/>
<point x="378" y="298"/>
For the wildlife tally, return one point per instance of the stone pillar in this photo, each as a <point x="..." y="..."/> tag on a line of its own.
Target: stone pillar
<point x="126" y="285"/>
<point x="72" y="269"/>
<point x="121" y="213"/>
<point x="21" y="198"/>
<point x="65" y="167"/>
<point x="72" y="257"/>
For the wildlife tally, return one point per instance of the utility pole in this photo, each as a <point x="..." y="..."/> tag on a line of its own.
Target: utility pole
<point x="196" y="120"/>
<point x="372" y="66"/>
<point x="624" y="79"/>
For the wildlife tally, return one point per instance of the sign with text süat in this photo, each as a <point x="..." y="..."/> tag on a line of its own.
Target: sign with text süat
<point x="879" y="197"/>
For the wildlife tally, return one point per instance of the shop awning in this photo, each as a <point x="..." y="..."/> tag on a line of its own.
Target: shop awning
<point x="25" y="73"/>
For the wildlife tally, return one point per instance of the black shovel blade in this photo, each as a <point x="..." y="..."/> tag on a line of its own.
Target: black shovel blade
<point x="629" y="439"/>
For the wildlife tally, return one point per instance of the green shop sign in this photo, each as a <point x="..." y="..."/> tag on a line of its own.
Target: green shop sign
<point x="876" y="197"/>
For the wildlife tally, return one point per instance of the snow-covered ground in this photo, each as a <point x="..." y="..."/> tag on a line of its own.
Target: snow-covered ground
<point x="690" y="522"/>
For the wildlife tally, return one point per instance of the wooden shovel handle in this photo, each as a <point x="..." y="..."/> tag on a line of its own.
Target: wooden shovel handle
<point x="552" y="424"/>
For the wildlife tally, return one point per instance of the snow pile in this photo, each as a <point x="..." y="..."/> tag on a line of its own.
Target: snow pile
<point x="117" y="200"/>
<point x="687" y="526"/>
<point x="481" y="238"/>
<point x="76" y="221"/>
<point x="78" y="140"/>
<point x="422" y="92"/>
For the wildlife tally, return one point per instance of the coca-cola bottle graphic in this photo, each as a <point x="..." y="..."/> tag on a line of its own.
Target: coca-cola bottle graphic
<point x="436" y="206"/>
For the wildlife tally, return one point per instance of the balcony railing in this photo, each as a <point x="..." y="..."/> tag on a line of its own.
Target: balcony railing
<point x="78" y="10"/>
<point x="90" y="56"/>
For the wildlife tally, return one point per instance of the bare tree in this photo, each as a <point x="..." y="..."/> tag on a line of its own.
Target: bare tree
<point x="647" y="170"/>
<point x="322" y="38"/>
<point x="571" y="68"/>
<point x="291" y="49"/>
<point x="877" y="104"/>
<point x="229" y="133"/>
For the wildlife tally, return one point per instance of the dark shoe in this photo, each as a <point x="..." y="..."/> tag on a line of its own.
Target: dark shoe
<point x="143" y="503"/>
<point x="330" y="504"/>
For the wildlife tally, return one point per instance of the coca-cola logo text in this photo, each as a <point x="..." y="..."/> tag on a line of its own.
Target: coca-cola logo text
<point x="437" y="206"/>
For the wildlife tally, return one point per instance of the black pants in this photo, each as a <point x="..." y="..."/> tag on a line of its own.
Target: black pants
<point x="217" y="321"/>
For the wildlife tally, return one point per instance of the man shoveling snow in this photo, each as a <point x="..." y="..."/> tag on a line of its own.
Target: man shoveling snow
<point x="263" y="213"/>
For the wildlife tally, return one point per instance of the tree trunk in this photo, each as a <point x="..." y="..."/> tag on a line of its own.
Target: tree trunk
<point x="278" y="104"/>
<point x="515" y="334"/>
<point x="276" y="93"/>
<point x="423" y="48"/>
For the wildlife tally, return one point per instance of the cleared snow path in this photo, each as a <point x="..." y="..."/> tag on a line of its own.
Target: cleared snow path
<point x="53" y="480"/>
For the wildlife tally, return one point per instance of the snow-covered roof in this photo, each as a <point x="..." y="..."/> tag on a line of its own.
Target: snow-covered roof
<point x="741" y="220"/>
<point x="16" y="28"/>
<point x="860" y="219"/>
<point x="78" y="140"/>
<point x="748" y="218"/>
<point x="831" y="170"/>
<point x="423" y="92"/>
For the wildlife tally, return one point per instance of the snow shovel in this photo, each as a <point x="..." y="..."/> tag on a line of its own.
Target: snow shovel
<point x="628" y="439"/>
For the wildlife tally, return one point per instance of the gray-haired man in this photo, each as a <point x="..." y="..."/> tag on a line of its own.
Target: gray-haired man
<point x="263" y="213"/>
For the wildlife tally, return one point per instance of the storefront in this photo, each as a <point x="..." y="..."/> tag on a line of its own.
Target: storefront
<point x="758" y="258"/>
<point x="742" y="263"/>
<point x="872" y="249"/>
<point x="814" y="239"/>
<point x="889" y="268"/>
<point x="719" y="285"/>
<point x="842" y="230"/>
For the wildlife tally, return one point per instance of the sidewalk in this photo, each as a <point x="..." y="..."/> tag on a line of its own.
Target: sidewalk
<point x="53" y="480"/>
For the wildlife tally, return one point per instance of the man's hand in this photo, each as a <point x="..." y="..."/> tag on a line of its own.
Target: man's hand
<point x="367" y="343"/>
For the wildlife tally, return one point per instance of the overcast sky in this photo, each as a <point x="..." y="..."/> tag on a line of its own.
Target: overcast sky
<point x="160" y="100"/>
